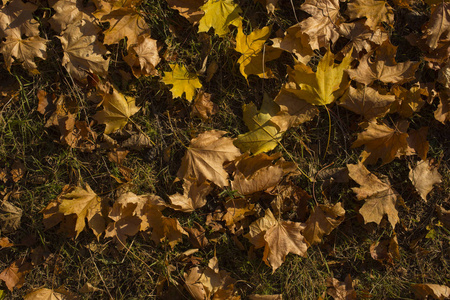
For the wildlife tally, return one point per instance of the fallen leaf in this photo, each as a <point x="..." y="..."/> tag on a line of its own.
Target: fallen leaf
<point x="417" y="142"/>
<point x="442" y="113"/>
<point x="88" y="288"/>
<point x="194" y="195"/>
<point x="117" y="109"/>
<point x="83" y="53"/>
<point x="203" y="107"/>
<point x="138" y="142"/>
<point x="264" y="135"/>
<point x="197" y="235"/>
<point x="45" y="294"/>
<point x="438" y="26"/>
<point x="324" y="86"/>
<point x="265" y="297"/>
<point x="296" y="42"/>
<point x="219" y="14"/>
<point x="422" y="291"/>
<point x="10" y="216"/>
<point x="69" y="12"/>
<point x="182" y="82"/>
<point x="375" y="11"/>
<point x="17" y="16"/>
<point x="423" y="177"/>
<point x="385" y="250"/>
<point x="381" y="141"/>
<point x="205" y="157"/>
<point x="367" y="102"/>
<point x="270" y="5"/>
<point x="444" y="75"/>
<point x="5" y="243"/>
<point x="380" y="198"/>
<point x="408" y="101"/>
<point x="143" y="57"/>
<point x="341" y="290"/>
<point x="14" y="275"/>
<point x="170" y="230"/>
<point x="83" y="203"/>
<point x="323" y="220"/>
<point x="237" y="210"/>
<point x="381" y="65"/>
<point x="124" y="224"/>
<point x="444" y="216"/>
<point x="190" y="9"/>
<point x="322" y="26"/>
<point x="18" y="170"/>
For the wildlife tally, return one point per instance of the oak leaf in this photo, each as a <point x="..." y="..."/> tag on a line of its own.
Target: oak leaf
<point x="143" y="57"/>
<point x="190" y="9"/>
<point x="375" y="11"/>
<point x="205" y="157"/>
<point x="182" y="82"/>
<point x="381" y="141"/>
<point x="383" y="67"/>
<point x="83" y="203"/>
<point x="324" y="86"/>
<point x="423" y="177"/>
<point x="23" y="50"/>
<point x="83" y="53"/>
<point x="380" y="198"/>
<point x="194" y="196"/>
<point x="422" y="291"/>
<point x="367" y="102"/>
<point x="264" y="135"/>
<point x="322" y="26"/>
<point x="117" y="109"/>
<point x="219" y="14"/>
<point x="323" y="220"/>
<point x="17" y="16"/>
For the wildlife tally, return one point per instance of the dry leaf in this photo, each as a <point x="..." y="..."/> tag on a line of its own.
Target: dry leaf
<point x="182" y="82"/>
<point x="143" y="57"/>
<point x="296" y="42"/>
<point x="190" y="9"/>
<point x="438" y="27"/>
<point x="381" y="141"/>
<point x="423" y="177"/>
<point x="341" y="290"/>
<point x="117" y="109"/>
<point x="417" y="142"/>
<point x="265" y="297"/>
<point x="323" y="220"/>
<point x="46" y="294"/>
<point x="69" y="12"/>
<point x="205" y="157"/>
<point x="442" y="113"/>
<point x="203" y="107"/>
<point x="219" y="14"/>
<point x="237" y="210"/>
<point x="10" y="216"/>
<point x="444" y="216"/>
<point x="408" y="101"/>
<point x="422" y="291"/>
<point x="385" y="250"/>
<point x="194" y="195"/>
<point x="14" y="275"/>
<point x="138" y="142"/>
<point x="124" y="224"/>
<point x="380" y="198"/>
<point x="197" y="235"/>
<point x="375" y="11"/>
<point x="17" y="16"/>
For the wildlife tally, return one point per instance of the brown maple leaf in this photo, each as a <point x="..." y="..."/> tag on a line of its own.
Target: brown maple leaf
<point x="422" y="291"/>
<point x="381" y="141"/>
<point x="341" y="290"/>
<point x="296" y="42"/>
<point x="69" y="12"/>
<point x="385" y="250"/>
<point x="323" y="220"/>
<point x="190" y="9"/>
<point x="143" y="57"/>
<point x="203" y="107"/>
<point x="438" y="27"/>
<point x="375" y="11"/>
<point x="194" y="195"/>
<point x="322" y="26"/>
<point x="14" y="275"/>
<point x="423" y="177"/>
<point x="417" y="143"/>
<point x="124" y="224"/>
<point x="380" y="198"/>
<point x="383" y="67"/>
<point x="205" y="157"/>
<point x="408" y="101"/>
<point x="442" y="113"/>
<point x="18" y="16"/>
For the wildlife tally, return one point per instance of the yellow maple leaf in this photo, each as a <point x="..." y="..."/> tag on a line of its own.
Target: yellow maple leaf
<point x="117" y="109"/>
<point x="324" y="86"/>
<point x="219" y="14"/>
<point x="182" y="81"/>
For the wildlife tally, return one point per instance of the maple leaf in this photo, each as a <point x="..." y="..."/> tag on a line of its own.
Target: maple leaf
<point x="269" y="4"/>
<point x="252" y="60"/>
<point x="23" y="50"/>
<point x="183" y="82"/>
<point x="17" y="16"/>
<point x="322" y="26"/>
<point x="444" y="75"/>
<point x="341" y="290"/>
<point x="219" y="14"/>
<point x="442" y="113"/>
<point x="125" y="223"/>
<point x="417" y="143"/>
<point x="117" y="109"/>
<point x="296" y="42"/>
<point x="83" y="203"/>
<point x="203" y="106"/>
<point x="190" y="9"/>
<point x="383" y="67"/>
<point x="422" y="291"/>
<point x="168" y="229"/>
<point x="323" y="220"/>
<point x="376" y="11"/>
<point x="14" y="275"/>
<point x="423" y="177"/>
<point x="194" y="196"/>
<point x="408" y="101"/>
<point x="438" y="27"/>
<point x="278" y="238"/>
<point x="205" y="157"/>
<point x="143" y="57"/>
<point x="237" y="210"/>
<point x="69" y="12"/>
<point x="45" y="294"/>
<point x="264" y="135"/>
<point x="381" y="141"/>
<point x="385" y="250"/>
<point x="83" y="53"/>
<point x="380" y="198"/>
<point x="10" y="216"/>
<point x="124" y="21"/>
<point x="197" y="235"/>
<point x="324" y="86"/>
<point x="367" y="102"/>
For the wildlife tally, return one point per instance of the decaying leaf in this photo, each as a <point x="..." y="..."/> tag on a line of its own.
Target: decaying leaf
<point x="10" y="216"/>
<point x="380" y="198"/>
<point x="203" y="107"/>
<point x="194" y="195"/>
<point x="117" y="109"/>
<point x="422" y="291"/>
<point x="385" y="250"/>
<point x="423" y="177"/>
<point x="205" y="157"/>
<point x="324" y="86"/>
<point x="182" y="82"/>
<point x="408" y="101"/>
<point x="197" y="235"/>
<point x="219" y="14"/>
<point x="438" y="28"/>
<point x="341" y="290"/>
<point x="265" y="297"/>
<point x="323" y="220"/>
<point x="417" y="142"/>
<point x="14" y="275"/>
<point x="444" y="216"/>
<point x="442" y="113"/>
<point x="383" y="142"/>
